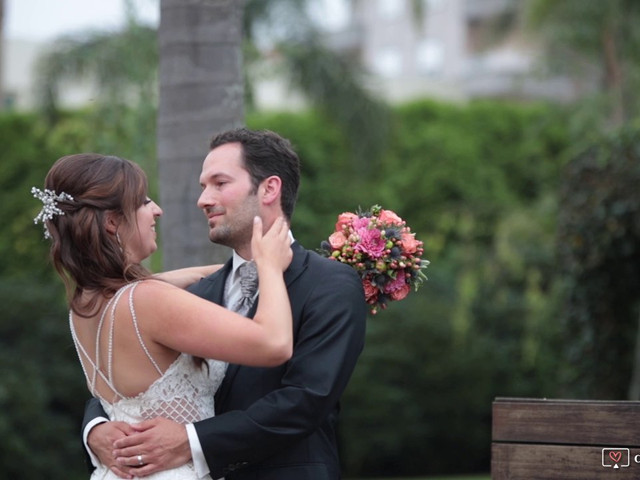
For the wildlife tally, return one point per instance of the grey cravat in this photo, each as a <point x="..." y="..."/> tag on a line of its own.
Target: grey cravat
<point x="248" y="286"/>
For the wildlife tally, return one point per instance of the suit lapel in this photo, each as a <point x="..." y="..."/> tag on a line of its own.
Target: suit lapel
<point x="212" y="287"/>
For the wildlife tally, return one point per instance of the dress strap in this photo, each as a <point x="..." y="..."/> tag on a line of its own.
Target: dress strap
<point x="113" y="303"/>
<point x="95" y="364"/>
<point x="81" y="351"/>
<point x="135" y="326"/>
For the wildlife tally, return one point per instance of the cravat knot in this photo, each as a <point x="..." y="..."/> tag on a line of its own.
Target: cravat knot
<point x="248" y="286"/>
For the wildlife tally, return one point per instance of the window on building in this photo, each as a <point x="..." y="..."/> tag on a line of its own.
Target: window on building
<point x="433" y="4"/>
<point x="430" y="57"/>
<point x="390" y="9"/>
<point x="388" y="62"/>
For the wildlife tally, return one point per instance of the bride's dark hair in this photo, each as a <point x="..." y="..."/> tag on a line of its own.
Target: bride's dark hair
<point x="84" y="253"/>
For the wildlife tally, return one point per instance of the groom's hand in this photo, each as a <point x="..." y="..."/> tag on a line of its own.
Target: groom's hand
<point x="161" y="444"/>
<point x="100" y="441"/>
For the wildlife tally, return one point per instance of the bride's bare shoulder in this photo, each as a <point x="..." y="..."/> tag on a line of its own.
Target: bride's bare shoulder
<point x="152" y="286"/>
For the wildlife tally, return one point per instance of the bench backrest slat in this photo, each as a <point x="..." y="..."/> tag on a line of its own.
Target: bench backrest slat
<point x="572" y="422"/>
<point x="564" y="439"/>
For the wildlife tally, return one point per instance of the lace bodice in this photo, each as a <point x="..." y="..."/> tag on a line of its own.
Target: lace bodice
<point x="183" y="392"/>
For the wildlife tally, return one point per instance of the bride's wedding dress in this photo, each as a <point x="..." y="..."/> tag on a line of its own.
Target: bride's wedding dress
<point x="183" y="393"/>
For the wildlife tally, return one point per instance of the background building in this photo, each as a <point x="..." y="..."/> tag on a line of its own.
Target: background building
<point x="456" y="49"/>
<point x="447" y="49"/>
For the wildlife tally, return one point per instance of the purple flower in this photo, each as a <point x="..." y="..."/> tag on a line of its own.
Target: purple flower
<point x="371" y="242"/>
<point x="398" y="288"/>
<point x="396" y="283"/>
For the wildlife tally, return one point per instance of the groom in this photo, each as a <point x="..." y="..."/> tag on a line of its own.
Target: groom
<point x="271" y="423"/>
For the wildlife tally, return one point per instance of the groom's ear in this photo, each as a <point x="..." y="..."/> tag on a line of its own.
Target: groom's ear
<point x="269" y="190"/>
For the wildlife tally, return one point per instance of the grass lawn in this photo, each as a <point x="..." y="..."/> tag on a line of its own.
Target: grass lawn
<point x="446" y="477"/>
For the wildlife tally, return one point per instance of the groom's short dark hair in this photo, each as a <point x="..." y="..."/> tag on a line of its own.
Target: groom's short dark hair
<point x="265" y="153"/>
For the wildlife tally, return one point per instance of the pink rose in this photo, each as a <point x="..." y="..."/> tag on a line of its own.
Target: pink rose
<point x="409" y="243"/>
<point x="370" y="291"/>
<point x="345" y="219"/>
<point x="401" y="293"/>
<point x="388" y="217"/>
<point x="398" y="288"/>
<point x="337" y="240"/>
<point x="371" y="242"/>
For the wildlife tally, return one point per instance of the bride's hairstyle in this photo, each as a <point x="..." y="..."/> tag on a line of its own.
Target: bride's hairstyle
<point x="84" y="253"/>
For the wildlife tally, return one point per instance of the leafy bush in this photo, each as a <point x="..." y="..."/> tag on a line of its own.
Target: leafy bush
<point x="42" y="389"/>
<point x="599" y="249"/>
<point x="478" y="184"/>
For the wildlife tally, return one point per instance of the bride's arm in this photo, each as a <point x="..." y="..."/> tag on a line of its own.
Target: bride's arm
<point x="186" y="323"/>
<point x="183" y="277"/>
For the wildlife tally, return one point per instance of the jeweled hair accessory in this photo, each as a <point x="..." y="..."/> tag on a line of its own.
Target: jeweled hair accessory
<point x="49" y="200"/>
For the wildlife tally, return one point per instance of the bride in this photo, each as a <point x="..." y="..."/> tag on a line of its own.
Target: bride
<point x="141" y="339"/>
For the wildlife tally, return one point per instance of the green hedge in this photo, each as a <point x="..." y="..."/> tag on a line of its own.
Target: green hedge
<point x="478" y="183"/>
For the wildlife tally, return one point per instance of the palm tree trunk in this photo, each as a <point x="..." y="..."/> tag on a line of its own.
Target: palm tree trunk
<point x="613" y="76"/>
<point x="201" y="93"/>
<point x="612" y="64"/>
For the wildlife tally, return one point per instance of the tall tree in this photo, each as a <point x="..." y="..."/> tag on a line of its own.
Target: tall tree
<point x="201" y="92"/>
<point x="599" y="252"/>
<point x="595" y="40"/>
<point x="332" y="81"/>
<point x="122" y="112"/>
<point x="598" y="216"/>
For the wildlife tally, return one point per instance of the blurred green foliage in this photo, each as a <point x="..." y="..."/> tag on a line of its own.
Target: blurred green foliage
<point x="480" y="184"/>
<point x="42" y="389"/>
<point x="599" y="248"/>
<point x="597" y="44"/>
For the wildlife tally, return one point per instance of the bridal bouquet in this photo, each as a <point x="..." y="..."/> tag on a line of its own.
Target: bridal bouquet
<point x="382" y="249"/>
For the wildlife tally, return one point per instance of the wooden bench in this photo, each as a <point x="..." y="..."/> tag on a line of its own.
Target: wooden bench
<point x="565" y="439"/>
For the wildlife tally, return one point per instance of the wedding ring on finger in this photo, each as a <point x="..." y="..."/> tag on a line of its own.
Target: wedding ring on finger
<point x="140" y="460"/>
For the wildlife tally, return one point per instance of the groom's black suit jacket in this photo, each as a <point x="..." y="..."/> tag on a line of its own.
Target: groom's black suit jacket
<point x="280" y="423"/>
